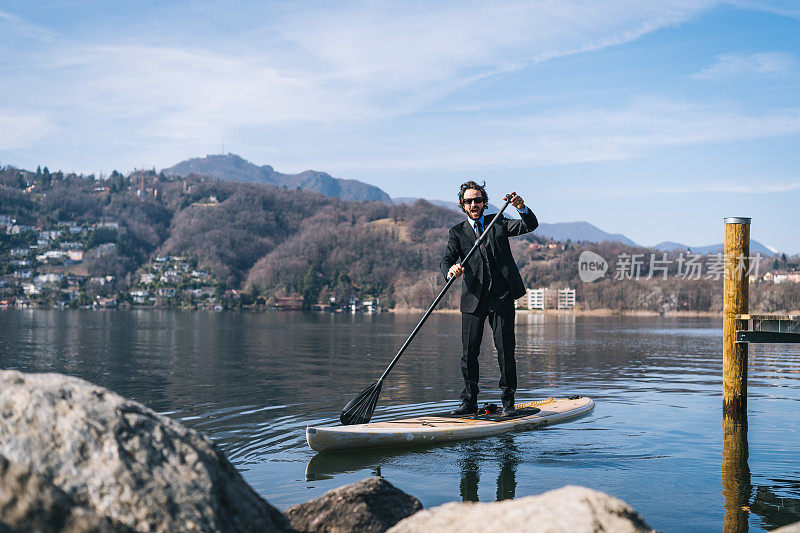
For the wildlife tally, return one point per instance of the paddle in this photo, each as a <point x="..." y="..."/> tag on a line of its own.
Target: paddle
<point x="360" y="408"/>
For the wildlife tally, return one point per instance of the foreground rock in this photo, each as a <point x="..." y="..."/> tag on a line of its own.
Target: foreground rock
<point x="28" y="502"/>
<point x="114" y="461"/>
<point x="371" y="504"/>
<point x="567" y="510"/>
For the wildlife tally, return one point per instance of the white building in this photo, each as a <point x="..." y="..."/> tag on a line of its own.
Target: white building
<point x="17" y="229"/>
<point x="139" y="296"/>
<point x="533" y="299"/>
<point x="541" y="299"/>
<point x="782" y="277"/>
<point x="75" y="255"/>
<point x="566" y="298"/>
<point x="48" y="278"/>
<point x="50" y="255"/>
<point x="31" y="290"/>
<point x="49" y="235"/>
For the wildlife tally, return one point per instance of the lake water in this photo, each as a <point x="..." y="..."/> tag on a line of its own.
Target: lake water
<point x="254" y="381"/>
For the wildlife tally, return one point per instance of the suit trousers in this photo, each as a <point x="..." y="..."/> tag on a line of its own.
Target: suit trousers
<point x="500" y="312"/>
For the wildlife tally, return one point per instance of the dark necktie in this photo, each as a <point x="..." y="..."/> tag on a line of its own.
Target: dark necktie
<point x="484" y="256"/>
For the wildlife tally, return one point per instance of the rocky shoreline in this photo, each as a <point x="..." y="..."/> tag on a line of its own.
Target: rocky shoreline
<point x="77" y="457"/>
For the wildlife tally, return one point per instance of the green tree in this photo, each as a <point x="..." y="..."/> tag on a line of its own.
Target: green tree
<point x="311" y="287"/>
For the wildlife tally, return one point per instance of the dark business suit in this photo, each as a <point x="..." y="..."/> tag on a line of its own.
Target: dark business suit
<point x="491" y="283"/>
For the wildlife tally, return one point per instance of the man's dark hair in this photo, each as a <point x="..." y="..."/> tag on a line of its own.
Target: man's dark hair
<point x="473" y="185"/>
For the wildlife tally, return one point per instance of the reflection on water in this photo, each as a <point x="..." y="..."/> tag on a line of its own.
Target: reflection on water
<point x="253" y="382"/>
<point x="507" y="478"/>
<point x="740" y="497"/>
<point x="735" y="473"/>
<point x="507" y="455"/>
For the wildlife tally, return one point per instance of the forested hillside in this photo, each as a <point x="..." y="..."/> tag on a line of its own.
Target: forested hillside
<point x="269" y="242"/>
<point x="263" y="239"/>
<point x="278" y="242"/>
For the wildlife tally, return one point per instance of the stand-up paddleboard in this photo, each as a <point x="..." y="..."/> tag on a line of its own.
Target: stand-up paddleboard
<point x="444" y="427"/>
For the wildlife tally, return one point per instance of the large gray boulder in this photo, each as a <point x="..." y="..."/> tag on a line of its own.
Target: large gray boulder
<point x="28" y="502"/>
<point x="123" y="461"/>
<point x="565" y="510"/>
<point x="372" y="504"/>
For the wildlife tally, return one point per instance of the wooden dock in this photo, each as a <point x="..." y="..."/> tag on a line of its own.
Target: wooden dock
<point x="770" y="329"/>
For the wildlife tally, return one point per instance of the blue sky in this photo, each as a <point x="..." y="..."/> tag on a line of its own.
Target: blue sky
<point x="651" y="119"/>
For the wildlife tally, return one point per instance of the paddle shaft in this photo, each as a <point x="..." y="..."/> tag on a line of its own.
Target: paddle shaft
<point x="438" y="299"/>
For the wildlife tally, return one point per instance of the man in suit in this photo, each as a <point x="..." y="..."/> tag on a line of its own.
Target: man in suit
<point x="491" y="284"/>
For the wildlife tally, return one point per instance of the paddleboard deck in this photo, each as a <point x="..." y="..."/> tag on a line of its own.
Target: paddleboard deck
<point x="443" y="427"/>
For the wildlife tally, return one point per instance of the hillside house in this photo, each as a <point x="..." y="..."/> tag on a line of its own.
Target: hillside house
<point x="51" y="256"/>
<point x="107" y="248"/>
<point x="17" y="229"/>
<point x="139" y="296"/>
<point x="75" y="255"/>
<point x="31" y="290"/>
<point x="203" y="292"/>
<point x="49" y="235"/>
<point x="289" y="303"/>
<point x="48" y="278"/>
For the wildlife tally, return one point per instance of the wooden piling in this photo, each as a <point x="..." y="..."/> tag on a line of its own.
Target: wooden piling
<point x="735" y="302"/>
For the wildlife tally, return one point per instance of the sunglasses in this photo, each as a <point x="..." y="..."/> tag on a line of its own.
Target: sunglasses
<point x="468" y="201"/>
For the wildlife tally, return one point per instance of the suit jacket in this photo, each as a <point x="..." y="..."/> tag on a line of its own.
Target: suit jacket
<point x="460" y="240"/>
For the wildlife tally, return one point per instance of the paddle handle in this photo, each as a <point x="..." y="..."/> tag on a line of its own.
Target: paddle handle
<point x="449" y="283"/>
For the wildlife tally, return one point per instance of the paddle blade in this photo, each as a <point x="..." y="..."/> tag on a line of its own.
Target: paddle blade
<point x="360" y="408"/>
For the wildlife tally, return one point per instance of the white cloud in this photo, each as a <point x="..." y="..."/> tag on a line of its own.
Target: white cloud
<point x="324" y="63"/>
<point x="572" y="136"/>
<point x="759" y="64"/>
<point x="20" y="130"/>
<point x="188" y="93"/>
<point x="786" y="8"/>
<point x="413" y="52"/>
<point x="13" y="24"/>
<point x="365" y="64"/>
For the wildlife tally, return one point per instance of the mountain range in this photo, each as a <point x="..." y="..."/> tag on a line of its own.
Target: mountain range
<point x="755" y="248"/>
<point x="231" y="167"/>
<point x="586" y="232"/>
